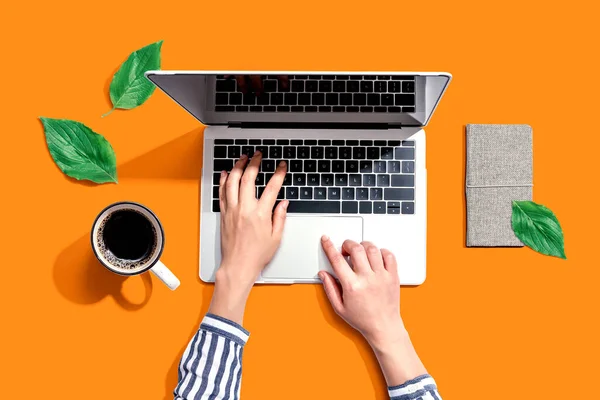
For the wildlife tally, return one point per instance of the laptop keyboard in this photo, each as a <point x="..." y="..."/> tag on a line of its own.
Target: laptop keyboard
<point x="330" y="176"/>
<point x="321" y="93"/>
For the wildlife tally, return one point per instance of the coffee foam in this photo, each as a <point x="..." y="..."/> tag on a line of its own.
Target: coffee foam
<point x="127" y="266"/>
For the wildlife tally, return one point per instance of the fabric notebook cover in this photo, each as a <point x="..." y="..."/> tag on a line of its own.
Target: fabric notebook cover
<point x="499" y="170"/>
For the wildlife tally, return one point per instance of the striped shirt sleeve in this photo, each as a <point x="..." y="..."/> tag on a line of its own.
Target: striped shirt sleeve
<point x="211" y="366"/>
<point x="421" y="388"/>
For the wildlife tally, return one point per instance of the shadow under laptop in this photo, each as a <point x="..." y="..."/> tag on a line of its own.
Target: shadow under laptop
<point x="81" y="279"/>
<point x="180" y="158"/>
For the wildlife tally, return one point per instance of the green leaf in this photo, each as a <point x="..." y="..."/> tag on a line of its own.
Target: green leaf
<point x="129" y="88"/>
<point x="537" y="227"/>
<point x="80" y="152"/>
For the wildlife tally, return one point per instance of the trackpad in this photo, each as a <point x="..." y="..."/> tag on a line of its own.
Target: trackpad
<point x="300" y="255"/>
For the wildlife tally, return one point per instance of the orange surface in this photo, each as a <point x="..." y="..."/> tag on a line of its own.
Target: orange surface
<point x="494" y="320"/>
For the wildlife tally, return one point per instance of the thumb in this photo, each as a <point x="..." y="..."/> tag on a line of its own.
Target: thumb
<point x="333" y="291"/>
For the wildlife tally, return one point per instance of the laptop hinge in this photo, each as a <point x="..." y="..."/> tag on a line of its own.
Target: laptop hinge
<point x="313" y="125"/>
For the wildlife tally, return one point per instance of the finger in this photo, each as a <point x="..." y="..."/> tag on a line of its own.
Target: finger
<point x="256" y="83"/>
<point x="337" y="261"/>
<point x="284" y="81"/>
<point x="232" y="186"/>
<point x="222" y="195"/>
<point x="333" y="291"/>
<point x="279" y="219"/>
<point x="358" y="256"/>
<point x="241" y="83"/>
<point x="374" y="256"/>
<point x="248" y="184"/>
<point x="269" y="196"/>
<point x="389" y="261"/>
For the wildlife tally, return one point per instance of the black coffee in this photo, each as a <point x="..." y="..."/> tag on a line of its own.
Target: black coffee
<point x="127" y="239"/>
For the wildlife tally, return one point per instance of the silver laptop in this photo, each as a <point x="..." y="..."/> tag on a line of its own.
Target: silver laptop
<point x="355" y="147"/>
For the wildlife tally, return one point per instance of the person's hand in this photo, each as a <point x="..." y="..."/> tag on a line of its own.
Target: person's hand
<point x="368" y="298"/>
<point x="250" y="233"/>
<point x="254" y="83"/>
<point x="368" y="294"/>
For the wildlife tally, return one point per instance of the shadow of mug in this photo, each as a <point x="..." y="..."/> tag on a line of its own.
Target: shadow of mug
<point x="80" y="278"/>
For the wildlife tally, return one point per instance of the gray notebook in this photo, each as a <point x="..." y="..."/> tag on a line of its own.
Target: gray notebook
<point x="499" y="170"/>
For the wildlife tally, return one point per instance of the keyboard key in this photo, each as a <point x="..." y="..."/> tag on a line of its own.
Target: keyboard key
<point x="355" y="180"/>
<point x="346" y="99"/>
<point x="380" y="109"/>
<point x="269" y="108"/>
<point x="404" y="153"/>
<point x="359" y="153"/>
<point x="216" y="178"/>
<point x="289" y="152"/>
<point x="299" y="179"/>
<point x="366" y="143"/>
<point x="345" y="153"/>
<point x="260" y="179"/>
<point x="304" y="99"/>
<point x="380" y="143"/>
<point x="366" y="166"/>
<point x="297" y="86"/>
<point x="387" y="99"/>
<point x="338" y="86"/>
<point x="408" y="109"/>
<point x="313" y="179"/>
<point x="310" y="166"/>
<point x="394" y="109"/>
<point x="348" y="194"/>
<point x="320" y="193"/>
<point x="291" y="193"/>
<point x="317" y="152"/>
<point x="259" y="191"/>
<point x="321" y="207"/>
<point x="365" y="207"/>
<point x="318" y="99"/>
<point x="267" y="165"/>
<point x="311" y="86"/>
<point x="352" y="166"/>
<point x="350" y="207"/>
<point x="324" y="166"/>
<point x="310" y="142"/>
<point x="222" y="165"/>
<point x="408" y="207"/>
<point x="325" y="86"/>
<point x="376" y="193"/>
<point x="275" y="152"/>
<point x="399" y="194"/>
<point x="287" y="181"/>
<point x="324" y="142"/>
<point x="216" y="206"/>
<point x="362" y="194"/>
<point x="333" y="193"/>
<point x="304" y="152"/>
<point x="387" y="153"/>
<point x="366" y="109"/>
<point x="283" y="108"/>
<point x="337" y="166"/>
<point x="373" y="153"/>
<point x="338" y="109"/>
<point x="366" y="86"/>
<point x="263" y="99"/>
<point x="222" y="99"/>
<point x="373" y="99"/>
<point x="394" y="143"/>
<point x="281" y="194"/>
<point x="341" y="180"/>
<point x="403" y="180"/>
<point x="408" y="167"/>
<point x="370" y="77"/>
<point x="220" y="151"/>
<point x="408" y="87"/>
<point x="224" y="108"/>
<point x="270" y="85"/>
<point x="383" y="180"/>
<point x="290" y="99"/>
<point x="269" y="141"/>
<point x="408" y="143"/>
<point x="264" y="150"/>
<point x="248" y="150"/>
<point x="223" y="141"/>
<point x="306" y="193"/>
<point x="297" y="109"/>
<point x="381" y="86"/>
<point x="295" y="166"/>
<point x="331" y="153"/>
<point x="327" y="179"/>
<point x="360" y="99"/>
<point x="394" y="87"/>
<point x="394" y="167"/>
<point x="226" y="85"/>
<point x="277" y="99"/>
<point x="404" y="99"/>
<point x="297" y="142"/>
<point x="352" y="86"/>
<point x="249" y="99"/>
<point x="352" y="109"/>
<point x="215" y="192"/>
<point x="379" y="207"/>
<point x="256" y="108"/>
<point x="393" y="210"/>
<point x="331" y="99"/>
<point x="368" y="180"/>
<point x="268" y="176"/>
<point x="379" y="167"/>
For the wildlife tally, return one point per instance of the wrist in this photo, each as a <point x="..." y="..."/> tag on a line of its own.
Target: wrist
<point x="230" y="296"/>
<point x="387" y="336"/>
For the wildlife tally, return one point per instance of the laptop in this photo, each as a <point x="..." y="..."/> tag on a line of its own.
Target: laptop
<point x="355" y="148"/>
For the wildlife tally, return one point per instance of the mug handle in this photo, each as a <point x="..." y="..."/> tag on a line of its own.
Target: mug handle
<point x="165" y="275"/>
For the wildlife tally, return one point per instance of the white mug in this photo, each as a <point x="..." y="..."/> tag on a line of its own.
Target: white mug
<point x="128" y="239"/>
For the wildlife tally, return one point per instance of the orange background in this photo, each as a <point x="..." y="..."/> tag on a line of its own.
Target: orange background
<point x="486" y="320"/>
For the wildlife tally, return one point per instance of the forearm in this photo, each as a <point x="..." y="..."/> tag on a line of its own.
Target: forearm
<point x="211" y="366"/>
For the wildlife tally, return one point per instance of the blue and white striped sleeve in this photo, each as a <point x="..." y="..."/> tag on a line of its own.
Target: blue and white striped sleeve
<point x="421" y="388"/>
<point x="211" y="366"/>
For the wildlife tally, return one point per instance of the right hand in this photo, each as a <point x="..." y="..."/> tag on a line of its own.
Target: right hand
<point x="368" y="294"/>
